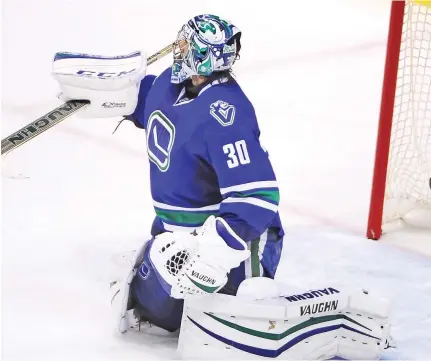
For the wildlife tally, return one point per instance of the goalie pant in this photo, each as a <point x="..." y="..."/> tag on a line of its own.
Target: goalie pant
<point x="150" y="294"/>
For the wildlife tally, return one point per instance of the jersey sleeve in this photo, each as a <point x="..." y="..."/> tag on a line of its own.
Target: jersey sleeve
<point x="137" y="117"/>
<point x="247" y="182"/>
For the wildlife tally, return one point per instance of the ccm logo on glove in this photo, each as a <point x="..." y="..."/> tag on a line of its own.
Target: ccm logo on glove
<point x="104" y="74"/>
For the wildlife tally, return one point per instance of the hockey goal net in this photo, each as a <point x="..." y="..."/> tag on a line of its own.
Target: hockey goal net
<point x="402" y="170"/>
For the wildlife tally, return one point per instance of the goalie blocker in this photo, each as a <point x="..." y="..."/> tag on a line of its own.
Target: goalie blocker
<point x="110" y="83"/>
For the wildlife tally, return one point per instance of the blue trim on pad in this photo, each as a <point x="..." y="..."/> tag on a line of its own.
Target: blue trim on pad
<point x="273" y="353"/>
<point x="66" y="55"/>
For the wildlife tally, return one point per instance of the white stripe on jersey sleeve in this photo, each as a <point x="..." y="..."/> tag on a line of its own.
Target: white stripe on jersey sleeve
<point x="247" y="265"/>
<point x="262" y="243"/>
<point x="248" y="186"/>
<point x="160" y="205"/>
<point x="254" y="201"/>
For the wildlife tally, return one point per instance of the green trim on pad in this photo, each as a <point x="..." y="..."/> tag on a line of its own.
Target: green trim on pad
<point x="254" y="258"/>
<point x="273" y="336"/>
<point x="205" y="288"/>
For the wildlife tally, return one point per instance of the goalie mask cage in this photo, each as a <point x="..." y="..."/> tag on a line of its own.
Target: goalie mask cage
<point x="401" y="187"/>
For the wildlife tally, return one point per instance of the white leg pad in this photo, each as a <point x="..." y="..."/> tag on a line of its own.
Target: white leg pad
<point x="317" y="324"/>
<point x="120" y="290"/>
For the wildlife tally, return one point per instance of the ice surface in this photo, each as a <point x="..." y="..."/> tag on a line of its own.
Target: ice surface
<point x="76" y="199"/>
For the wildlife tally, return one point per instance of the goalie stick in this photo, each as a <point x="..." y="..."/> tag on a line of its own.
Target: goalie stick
<point x="57" y="115"/>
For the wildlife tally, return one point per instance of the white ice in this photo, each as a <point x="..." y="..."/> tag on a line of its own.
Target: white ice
<point x="76" y="199"/>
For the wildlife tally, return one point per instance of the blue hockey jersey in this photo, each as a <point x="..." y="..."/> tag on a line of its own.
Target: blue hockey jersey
<point x="206" y="158"/>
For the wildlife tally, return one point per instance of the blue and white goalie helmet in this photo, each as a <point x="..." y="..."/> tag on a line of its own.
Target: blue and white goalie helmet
<point x="205" y="44"/>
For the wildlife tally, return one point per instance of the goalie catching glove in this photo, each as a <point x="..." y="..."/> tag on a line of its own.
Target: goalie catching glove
<point x="186" y="263"/>
<point x="198" y="264"/>
<point x="111" y="84"/>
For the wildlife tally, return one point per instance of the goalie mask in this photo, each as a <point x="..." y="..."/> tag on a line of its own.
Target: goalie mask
<point x="204" y="45"/>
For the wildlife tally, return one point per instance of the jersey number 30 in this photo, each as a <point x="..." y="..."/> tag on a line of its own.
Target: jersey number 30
<point x="237" y="153"/>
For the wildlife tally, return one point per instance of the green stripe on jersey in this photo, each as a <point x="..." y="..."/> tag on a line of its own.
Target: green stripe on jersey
<point x="184" y="217"/>
<point x="271" y="195"/>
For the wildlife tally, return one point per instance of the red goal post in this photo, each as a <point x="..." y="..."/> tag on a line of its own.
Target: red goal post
<point x="402" y="167"/>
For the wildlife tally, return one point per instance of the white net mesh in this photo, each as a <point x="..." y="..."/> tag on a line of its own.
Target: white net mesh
<point x="409" y="171"/>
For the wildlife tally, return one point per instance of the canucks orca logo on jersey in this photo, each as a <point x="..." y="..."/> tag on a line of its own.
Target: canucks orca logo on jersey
<point x="160" y="139"/>
<point x="223" y="112"/>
